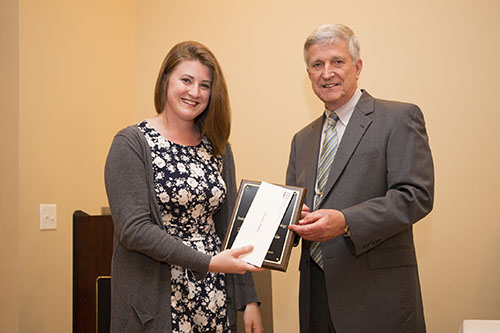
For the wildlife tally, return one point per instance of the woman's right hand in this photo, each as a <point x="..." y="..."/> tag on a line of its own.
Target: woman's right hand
<point x="228" y="261"/>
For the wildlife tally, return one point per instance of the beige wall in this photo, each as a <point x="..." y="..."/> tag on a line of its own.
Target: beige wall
<point x="9" y="165"/>
<point x="76" y="90"/>
<point x="88" y="68"/>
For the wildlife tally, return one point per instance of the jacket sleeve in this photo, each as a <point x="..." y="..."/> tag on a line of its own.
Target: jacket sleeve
<point x="409" y="182"/>
<point x="290" y="171"/>
<point x="291" y="180"/>
<point x="132" y="202"/>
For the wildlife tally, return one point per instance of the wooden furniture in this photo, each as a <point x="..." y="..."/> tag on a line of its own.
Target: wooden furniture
<point x="92" y="252"/>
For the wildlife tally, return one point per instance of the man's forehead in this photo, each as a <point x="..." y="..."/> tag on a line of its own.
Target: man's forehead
<point x="336" y="48"/>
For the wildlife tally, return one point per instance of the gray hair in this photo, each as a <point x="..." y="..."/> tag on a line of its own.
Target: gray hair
<point x="329" y="33"/>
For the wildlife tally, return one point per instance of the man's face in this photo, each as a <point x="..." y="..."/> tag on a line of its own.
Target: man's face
<point x="333" y="74"/>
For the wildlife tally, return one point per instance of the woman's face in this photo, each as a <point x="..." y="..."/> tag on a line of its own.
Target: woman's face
<point x="188" y="91"/>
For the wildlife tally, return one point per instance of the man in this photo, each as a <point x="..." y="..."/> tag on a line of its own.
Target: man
<point x="368" y="171"/>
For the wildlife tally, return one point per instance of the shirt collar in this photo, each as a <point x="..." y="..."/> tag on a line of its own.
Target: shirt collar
<point x="345" y="111"/>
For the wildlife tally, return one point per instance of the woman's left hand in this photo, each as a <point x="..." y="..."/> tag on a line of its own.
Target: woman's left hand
<point x="252" y="319"/>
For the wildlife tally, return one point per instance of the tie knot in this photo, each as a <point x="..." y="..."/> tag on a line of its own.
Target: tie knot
<point x="332" y="119"/>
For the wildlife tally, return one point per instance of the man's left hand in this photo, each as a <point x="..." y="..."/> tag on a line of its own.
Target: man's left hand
<point x="320" y="225"/>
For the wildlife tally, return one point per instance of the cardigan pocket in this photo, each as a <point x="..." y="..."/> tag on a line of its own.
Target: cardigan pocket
<point x="145" y="318"/>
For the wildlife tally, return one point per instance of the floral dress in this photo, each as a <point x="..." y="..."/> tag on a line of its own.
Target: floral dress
<point x="190" y="189"/>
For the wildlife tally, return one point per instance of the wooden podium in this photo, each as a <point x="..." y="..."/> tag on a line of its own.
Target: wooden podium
<point x="92" y="252"/>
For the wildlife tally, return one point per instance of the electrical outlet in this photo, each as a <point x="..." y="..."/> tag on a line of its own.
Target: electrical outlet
<point x="48" y="217"/>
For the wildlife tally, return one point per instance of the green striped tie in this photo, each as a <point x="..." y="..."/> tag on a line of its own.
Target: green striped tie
<point x="330" y="144"/>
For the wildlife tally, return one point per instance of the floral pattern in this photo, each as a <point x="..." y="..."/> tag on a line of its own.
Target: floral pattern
<point x="189" y="190"/>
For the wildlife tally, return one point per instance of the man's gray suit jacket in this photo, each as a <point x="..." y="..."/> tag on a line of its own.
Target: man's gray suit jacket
<point x="382" y="179"/>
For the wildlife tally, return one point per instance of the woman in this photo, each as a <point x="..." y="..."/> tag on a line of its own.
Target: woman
<point x="171" y="187"/>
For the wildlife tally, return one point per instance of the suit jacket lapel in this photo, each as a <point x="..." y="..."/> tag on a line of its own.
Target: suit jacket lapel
<point x="355" y="130"/>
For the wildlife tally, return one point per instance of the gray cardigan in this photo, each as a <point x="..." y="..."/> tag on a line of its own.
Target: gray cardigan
<point x="143" y="251"/>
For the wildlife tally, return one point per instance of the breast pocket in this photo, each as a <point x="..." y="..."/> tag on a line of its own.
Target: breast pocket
<point x="364" y="156"/>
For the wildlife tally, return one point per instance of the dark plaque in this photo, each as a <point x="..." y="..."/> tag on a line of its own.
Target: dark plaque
<point x="279" y="252"/>
<point x="103" y="306"/>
